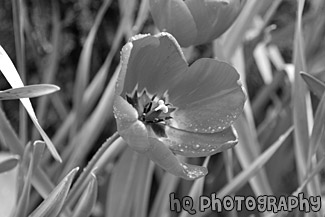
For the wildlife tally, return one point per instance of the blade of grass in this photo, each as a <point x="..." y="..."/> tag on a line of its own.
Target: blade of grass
<point x="23" y="168"/>
<point x="263" y="63"/>
<point x="121" y="188"/>
<point x="247" y="152"/>
<point x="263" y="96"/>
<point x="241" y="179"/>
<point x="87" y="200"/>
<point x="108" y="151"/>
<point x="84" y="67"/>
<point x="142" y="184"/>
<point x="228" y="159"/>
<point x="9" y="163"/>
<point x="52" y="60"/>
<point x="300" y="189"/>
<point x="32" y="161"/>
<point x="317" y="131"/>
<point x="8" y="190"/>
<point x="98" y="83"/>
<point x="93" y="90"/>
<point x="10" y="136"/>
<point x="40" y="180"/>
<point x="94" y="125"/>
<point x="60" y="107"/>
<point x="127" y="10"/>
<point x="29" y="91"/>
<point x="234" y="36"/>
<point x="247" y="174"/>
<point x="299" y="100"/>
<point x="315" y="85"/>
<point x="52" y="205"/>
<point x="166" y="187"/>
<point x="248" y="149"/>
<point x="276" y="57"/>
<point x="18" y="10"/>
<point x="300" y="109"/>
<point x="9" y="71"/>
<point x="142" y="16"/>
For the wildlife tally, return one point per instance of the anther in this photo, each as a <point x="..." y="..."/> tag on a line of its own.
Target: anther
<point x="161" y="106"/>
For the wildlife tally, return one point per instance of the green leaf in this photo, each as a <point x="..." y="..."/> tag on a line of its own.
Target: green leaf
<point x="24" y="181"/>
<point x="25" y="175"/>
<point x="9" y="163"/>
<point x="9" y="71"/>
<point x="315" y="85"/>
<point x="245" y="175"/>
<point x="29" y="91"/>
<point x="143" y="181"/>
<point x="121" y="188"/>
<point x="83" y="67"/>
<point x="8" y="189"/>
<point x="241" y="179"/>
<point x="52" y="205"/>
<point x="41" y="182"/>
<point x="107" y="153"/>
<point x="317" y="131"/>
<point x="247" y="151"/>
<point x="87" y="200"/>
<point x="167" y="185"/>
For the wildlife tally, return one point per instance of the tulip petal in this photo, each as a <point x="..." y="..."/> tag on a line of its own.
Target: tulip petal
<point x="229" y="11"/>
<point x="209" y="99"/>
<point x="212" y="18"/>
<point x="132" y="130"/>
<point x="153" y="63"/>
<point x="174" y="17"/>
<point x="199" y="144"/>
<point x="161" y="155"/>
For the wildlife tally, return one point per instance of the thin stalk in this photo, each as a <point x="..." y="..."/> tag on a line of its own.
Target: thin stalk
<point x="18" y="16"/>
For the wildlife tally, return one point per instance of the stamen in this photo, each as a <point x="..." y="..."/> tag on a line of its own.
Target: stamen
<point x="161" y="106"/>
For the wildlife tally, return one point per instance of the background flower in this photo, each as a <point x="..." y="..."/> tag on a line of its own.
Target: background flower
<point x="194" y="22"/>
<point x="163" y="106"/>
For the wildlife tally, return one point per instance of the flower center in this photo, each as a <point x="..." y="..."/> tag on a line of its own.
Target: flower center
<point x="152" y="111"/>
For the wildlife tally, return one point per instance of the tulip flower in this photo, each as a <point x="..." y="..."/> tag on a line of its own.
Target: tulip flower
<point x="194" y="22"/>
<point x="164" y="107"/>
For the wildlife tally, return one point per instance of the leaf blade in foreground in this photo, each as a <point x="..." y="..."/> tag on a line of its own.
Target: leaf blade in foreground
<point x="29" y="91"/>
<point x="52" y="205"/>
<point x="9" y="71"/>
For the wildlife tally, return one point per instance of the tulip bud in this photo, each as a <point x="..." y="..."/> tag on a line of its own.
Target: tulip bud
<point x="194" y="22"/>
